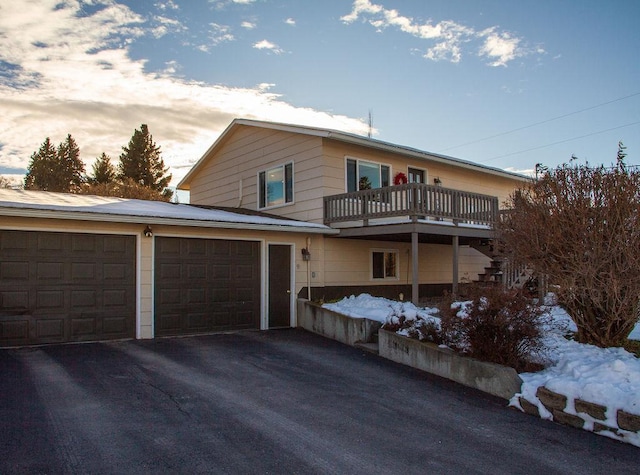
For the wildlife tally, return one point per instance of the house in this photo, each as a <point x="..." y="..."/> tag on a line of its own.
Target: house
<point x="278" y="212"/>
<point x="407" y="222"/>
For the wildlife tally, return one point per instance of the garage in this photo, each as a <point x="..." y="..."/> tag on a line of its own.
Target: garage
<point x="205" y="285"/>
<point x="66" y="287"/>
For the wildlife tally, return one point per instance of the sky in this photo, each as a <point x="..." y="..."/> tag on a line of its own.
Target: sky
<point x="605" y="376"/>
<point x="500" y="83"/>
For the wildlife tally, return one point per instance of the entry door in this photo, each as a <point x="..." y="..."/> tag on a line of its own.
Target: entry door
<point x="279" y="285"/>
<point x="416" y="175"/>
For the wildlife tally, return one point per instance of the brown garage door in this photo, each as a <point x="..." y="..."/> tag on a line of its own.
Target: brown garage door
<point x="62" y="287"/>
<point x="206" y="285"/>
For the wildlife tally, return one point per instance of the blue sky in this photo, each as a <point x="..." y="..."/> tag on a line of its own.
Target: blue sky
<point x="502" y="83"/>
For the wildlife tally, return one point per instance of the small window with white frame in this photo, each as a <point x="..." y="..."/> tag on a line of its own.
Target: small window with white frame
<point x="384" y="264"/>
<point x="275" y="186"/>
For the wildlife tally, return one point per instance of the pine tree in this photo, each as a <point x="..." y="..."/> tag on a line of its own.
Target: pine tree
<point x="70" y="170"/>
<point x="141" y="161"/>
<point x="40" y="173"/>
<point x="103" y="170"/>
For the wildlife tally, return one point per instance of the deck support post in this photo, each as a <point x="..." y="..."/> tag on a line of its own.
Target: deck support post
<point x="415" y="283"/>
<point x="454" y="284"/>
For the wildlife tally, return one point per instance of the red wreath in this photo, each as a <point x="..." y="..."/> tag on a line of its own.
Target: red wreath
<point x="400" y="179"/>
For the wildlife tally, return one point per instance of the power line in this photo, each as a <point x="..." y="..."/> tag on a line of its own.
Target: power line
<point x="542" y="122"/>
<point x="559" y="142"/>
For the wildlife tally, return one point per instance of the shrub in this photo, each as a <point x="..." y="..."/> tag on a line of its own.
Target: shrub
<point x="413" y="326"/>
<point x="496" y="325"/>
<point x="579" y="226"/>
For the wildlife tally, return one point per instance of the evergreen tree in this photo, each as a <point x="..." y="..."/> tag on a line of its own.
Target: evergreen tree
<point x="103" y="170"/>
<point x="70" y="170"/>
<point x="41" y="168"/>
<point x="141" y="161"/>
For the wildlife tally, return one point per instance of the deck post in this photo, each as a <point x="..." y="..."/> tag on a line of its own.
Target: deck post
<point x="454" y="285"/>
<point x="415" y="283"/>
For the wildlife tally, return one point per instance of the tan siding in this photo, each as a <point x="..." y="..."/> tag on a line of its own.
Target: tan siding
<point x="347" y="262"/>
<point x="251" y="150"/>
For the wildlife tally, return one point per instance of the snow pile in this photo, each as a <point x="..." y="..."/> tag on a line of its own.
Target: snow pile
<point x="378" y="308"/>
<point x="605" y="376"/>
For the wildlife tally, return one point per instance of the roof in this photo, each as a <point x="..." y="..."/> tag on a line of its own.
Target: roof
<point x="43" y="204"/>
<point x="346" y="138"/>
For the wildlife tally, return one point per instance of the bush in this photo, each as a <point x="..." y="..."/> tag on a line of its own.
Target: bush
<point x="579" y="226"/>
<point x="413" y="325"/>
<point x="496" y="325"/>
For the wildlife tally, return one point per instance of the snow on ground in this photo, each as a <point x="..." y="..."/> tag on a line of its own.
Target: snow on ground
<point x="606" y="376"/>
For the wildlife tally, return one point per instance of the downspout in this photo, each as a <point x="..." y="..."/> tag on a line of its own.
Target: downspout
<point x="240" y="193"/>
<point x="309" y="270"/>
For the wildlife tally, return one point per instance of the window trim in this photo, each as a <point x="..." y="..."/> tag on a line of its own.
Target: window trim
<point x="287" y="186"/>
<point x="357" y="161"/>
<point x="396" y="253"/>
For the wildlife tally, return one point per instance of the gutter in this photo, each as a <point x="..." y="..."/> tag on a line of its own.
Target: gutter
<point x="128" y="219"/>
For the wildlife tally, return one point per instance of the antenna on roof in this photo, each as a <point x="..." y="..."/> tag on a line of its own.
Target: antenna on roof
<point x="370" y="123"/>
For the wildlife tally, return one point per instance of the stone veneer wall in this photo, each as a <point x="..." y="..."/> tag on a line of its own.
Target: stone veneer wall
<point x="586" y="415"/>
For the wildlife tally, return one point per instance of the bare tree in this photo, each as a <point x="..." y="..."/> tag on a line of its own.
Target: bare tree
<point x="580" y="226"/>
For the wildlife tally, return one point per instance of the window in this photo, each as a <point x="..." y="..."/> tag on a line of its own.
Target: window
<point x="384" y="264"/>
<point x="362" y="175"/>
<point x="275" y="186"/>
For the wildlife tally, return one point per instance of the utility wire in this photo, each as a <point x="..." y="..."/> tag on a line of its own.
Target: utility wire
<point x="542" y="122"/>
<point x="559" y="142"/>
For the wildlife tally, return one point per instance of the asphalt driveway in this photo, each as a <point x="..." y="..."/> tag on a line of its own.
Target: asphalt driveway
<point x="266" y="402"/>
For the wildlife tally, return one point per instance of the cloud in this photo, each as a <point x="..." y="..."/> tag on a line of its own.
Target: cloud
<point x="166" y="25"/>
<point x="290" y="21"/>
<point x="220" y="34"/>
<point x="67" y="71"/>
<point x="268" y="45"/>
<point x="167" y="5"/>
<point x="499" y="48"/>
<point x="450" y="38"/>
<point x="248" y="25"/>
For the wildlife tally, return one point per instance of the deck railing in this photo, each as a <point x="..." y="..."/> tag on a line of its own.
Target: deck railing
<point x="415" y="200"/>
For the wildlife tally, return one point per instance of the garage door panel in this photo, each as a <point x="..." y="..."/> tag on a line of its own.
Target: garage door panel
<point x="58" y="287"/>
<point x="207" y="286"/>
<point x="14" y="270"/>
<point x="14" y="299"/>
<point x="82" y="327"/>
<point x="50" y="241"/>
<point x="83" y="298"/>
<point x="115" y="325"/>
<point x="83" y="270"/>
<point x="50" y="329"/>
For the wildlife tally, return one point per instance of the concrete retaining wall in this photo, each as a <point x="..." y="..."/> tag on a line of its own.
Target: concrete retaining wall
<point x="491" y="378"/>
<point x="316" y="319"/>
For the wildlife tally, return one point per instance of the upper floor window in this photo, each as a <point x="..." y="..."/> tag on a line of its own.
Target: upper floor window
<point x="275" y="186"/>
<point x="363" y="175"/>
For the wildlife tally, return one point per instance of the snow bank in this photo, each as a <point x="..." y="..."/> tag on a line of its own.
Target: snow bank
<point x="377" y="308"/>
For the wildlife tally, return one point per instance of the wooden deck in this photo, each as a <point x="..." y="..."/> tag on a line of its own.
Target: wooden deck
<point x="414" y="200"/>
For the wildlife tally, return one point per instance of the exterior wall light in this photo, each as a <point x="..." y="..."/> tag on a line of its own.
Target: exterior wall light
<point x="147" y="231"/>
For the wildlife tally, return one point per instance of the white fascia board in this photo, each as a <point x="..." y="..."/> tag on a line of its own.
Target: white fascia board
<point x="127" y="219"/>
